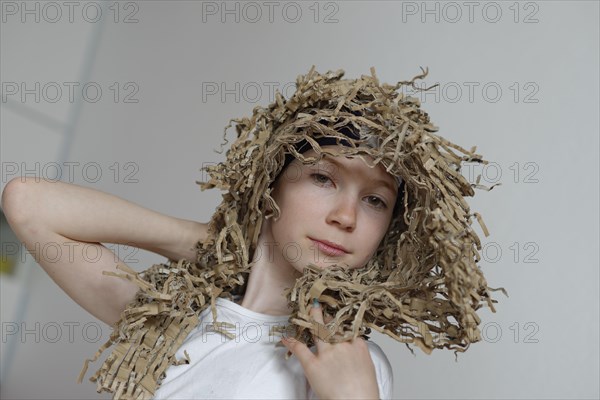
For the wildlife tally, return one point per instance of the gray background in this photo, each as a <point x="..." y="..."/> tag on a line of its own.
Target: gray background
<point x="533" y="112"/>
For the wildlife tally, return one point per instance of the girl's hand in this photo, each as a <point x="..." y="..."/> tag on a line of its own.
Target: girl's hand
<point x="339" y="370"/>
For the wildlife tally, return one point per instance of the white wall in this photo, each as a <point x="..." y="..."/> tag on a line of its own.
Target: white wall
<point x="542" y="342"/>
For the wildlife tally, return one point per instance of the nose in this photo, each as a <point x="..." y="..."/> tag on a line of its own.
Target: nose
<point x="343" y="212"/>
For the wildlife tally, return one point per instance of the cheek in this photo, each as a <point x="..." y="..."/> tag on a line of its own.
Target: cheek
<point x="299" y="201"/>
<point x="374" y="234"/>
<point x="293" y="212"/>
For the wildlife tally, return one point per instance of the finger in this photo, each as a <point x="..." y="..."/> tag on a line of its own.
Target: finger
<point x="324" y="316"/>
<point x="320" y="331"/>
<point x="316" y="311"/>
<point x="299" y="349"/>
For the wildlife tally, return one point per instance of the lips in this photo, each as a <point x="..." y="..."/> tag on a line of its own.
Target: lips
<point x="330" y="248"/>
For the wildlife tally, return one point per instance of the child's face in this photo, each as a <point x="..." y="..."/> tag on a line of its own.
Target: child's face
<point x="340" y="200"/>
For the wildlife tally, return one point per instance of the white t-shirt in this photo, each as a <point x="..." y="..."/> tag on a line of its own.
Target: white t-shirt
<point x="248" y="366"/>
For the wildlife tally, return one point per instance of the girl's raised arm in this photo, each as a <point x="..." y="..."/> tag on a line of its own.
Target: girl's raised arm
<point x="77" y="220"/>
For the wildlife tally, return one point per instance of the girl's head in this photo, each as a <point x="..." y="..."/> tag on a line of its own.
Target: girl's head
<point x="417" y="248"/>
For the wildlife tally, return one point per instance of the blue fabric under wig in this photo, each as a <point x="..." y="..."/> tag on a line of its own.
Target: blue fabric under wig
<point x="304" y="146"/>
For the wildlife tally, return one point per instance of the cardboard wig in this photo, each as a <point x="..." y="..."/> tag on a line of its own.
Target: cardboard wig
<point x="423" y="285"/>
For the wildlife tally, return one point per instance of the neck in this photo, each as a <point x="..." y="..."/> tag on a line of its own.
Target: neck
<point x="269" y="276"/>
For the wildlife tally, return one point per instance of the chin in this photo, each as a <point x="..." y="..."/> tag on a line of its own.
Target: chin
<point x="320" y="265"/>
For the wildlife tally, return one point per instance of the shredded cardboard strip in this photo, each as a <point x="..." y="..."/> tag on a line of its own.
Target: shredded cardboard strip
<point x="422" y="287"/>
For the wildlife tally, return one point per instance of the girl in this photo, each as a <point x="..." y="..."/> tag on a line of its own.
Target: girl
<point x="343" y="213"/>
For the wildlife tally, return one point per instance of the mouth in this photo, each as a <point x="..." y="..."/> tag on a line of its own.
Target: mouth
<point x="330" y="248"/>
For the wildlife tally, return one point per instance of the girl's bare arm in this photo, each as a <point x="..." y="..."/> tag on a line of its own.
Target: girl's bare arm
<point x="51" y="216"/>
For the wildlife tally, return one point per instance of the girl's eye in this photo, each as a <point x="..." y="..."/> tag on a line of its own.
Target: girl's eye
<point x="323" y="179"/>
<point x="378" y="202"/>
<point x="320" y="178"/>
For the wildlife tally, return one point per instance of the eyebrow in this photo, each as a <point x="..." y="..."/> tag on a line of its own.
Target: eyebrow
<point x="381" y="182"/>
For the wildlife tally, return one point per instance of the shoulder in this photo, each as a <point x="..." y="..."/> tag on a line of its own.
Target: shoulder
<point x="378" y="356"/>
<point x="383" y="370"/>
